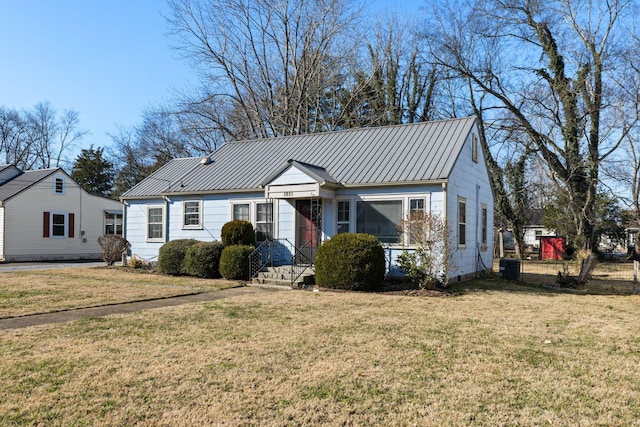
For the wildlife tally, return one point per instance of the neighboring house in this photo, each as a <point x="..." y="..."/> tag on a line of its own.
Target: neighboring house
<point x="46" y="215"/>
<point x="308" y="188"/>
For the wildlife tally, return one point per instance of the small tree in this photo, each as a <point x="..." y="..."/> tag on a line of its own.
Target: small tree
<point x="93" y="172"/>
<point x="429" y="264"/>
<point x="112" y="247"/>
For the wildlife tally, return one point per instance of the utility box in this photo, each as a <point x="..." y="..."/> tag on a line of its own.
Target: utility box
<point x="509" y="269"/>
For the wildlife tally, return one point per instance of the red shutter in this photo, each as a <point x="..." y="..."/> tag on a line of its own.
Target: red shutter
<point x="45" y="224"/>
<point x="71" y="225"/>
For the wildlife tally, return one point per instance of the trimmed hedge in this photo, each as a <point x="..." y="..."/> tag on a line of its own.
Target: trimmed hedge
<point x="203" y="259"/>
<point x="171" y="256"/>
<point x="351" y="261"/>
<point x="238" y="232"/>
<point x="234" y="262"/>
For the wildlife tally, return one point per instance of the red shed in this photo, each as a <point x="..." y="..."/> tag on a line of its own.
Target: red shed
<point x="552" y="248"/>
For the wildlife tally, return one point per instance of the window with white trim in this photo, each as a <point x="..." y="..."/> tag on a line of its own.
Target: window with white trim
<point x="58" y="185"/>
<point x="485" y="225"/>
<point x="415" y="206"/>
<point x="241" y="211"/>
<point x="155" y="223"/>
<point x="191" y="214"/>
<point x="462" y="221"/>
<point x="343" y="217"/>
<point x="380" y="218"/>
<point x="113" y="223"/>
<point x="474" y="149"/>
<point x="58" y="224"/>
<point x="264" y="221"/>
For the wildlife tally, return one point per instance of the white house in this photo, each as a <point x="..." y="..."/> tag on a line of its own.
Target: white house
<point x="301" y="190"/>
<point x="46" y="215"/>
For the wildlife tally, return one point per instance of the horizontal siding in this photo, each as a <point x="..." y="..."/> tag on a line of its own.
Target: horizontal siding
<point x="136" y="229"/>
<point x="23" y="222"/>
<point x="292" y="176"/>
<point x="462" y="183"/>
<point x="1" y="232"/>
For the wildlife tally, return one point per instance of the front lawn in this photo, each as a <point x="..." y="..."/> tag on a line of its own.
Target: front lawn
<point x="30" y="292"/>
<point x="495" y="354"/>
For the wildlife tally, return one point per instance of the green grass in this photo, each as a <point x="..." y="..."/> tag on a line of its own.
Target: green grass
<point x="495" y="353"/>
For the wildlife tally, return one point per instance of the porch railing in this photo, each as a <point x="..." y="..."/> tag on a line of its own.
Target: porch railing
<point x="302" y="260"/>
<point x="270" y="253"/>
<point x="277" y="252"/>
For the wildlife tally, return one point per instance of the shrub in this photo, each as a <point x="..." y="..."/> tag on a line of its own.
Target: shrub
<point x="112" y="247"/>
<point x="430" y="263"/>
<point x="234" y="262"/>
<point x="203" y="259"/>
<point x="136" y="262"/>
<point x="350" y="261"/>
<point x="171" y="256"/>
<point x="238" y="232"/>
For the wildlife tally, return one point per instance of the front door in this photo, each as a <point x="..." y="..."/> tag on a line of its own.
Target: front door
<point x="307" y="227"/>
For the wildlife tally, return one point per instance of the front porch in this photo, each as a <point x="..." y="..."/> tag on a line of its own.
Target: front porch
<point x="278" y="262"/>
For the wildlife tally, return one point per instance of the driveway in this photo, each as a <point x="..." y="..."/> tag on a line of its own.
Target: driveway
<point x="46" y="265"/>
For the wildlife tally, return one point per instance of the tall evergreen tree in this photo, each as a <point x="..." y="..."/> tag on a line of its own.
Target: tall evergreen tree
<point x="93" y="172"/>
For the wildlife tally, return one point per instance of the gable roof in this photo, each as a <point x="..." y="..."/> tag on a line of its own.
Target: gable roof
<point x="417" y="152"/>
<point x="319" y="174"/>
<point x="23" y="181"/>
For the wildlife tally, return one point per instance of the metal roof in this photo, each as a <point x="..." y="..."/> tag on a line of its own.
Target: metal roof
<point x="417" y="152"/>
<point x="24" y="181"/>
<point x="318" y="173"/>
<point x="163" y="179"/>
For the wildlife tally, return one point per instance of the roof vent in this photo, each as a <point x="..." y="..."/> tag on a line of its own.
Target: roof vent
<point x="205" y="160"/>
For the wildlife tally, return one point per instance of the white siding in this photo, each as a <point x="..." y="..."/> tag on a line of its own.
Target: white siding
<point x="23" y="219"/>
<point x="136" y="228"/>
<point x="216" y="211"/>
<point x="292" y="175"/>
<point x="286" y="217"/>
<point x="470" y="181"/>
<point x="1" y="232"/>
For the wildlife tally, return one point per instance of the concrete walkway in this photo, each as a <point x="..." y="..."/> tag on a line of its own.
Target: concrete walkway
<point x="130" y="307"/>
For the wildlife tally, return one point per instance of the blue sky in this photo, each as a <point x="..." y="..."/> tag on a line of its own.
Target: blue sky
<point x="106" y="59"/>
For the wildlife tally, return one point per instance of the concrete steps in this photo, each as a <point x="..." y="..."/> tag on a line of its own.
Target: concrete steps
<point x="280" y="277"/>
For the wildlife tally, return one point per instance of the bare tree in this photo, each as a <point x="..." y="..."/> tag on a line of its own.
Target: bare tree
<point x="38" y="138"/>
<point x="269" y="62"/>
<point x="551" y="72"/>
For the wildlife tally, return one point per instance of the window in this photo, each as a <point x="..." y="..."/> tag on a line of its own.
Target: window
<point x="191" y="210"/>
<point x="155" y="223"/>
<point x="58" y="224"/>
<point x="113" y="223"/>
<point x="415" y="206"/>
<point x="343" y="217"/>
<point x="241" y="212"/>
<point x="462" y="222"/>
<point x="380" y="218"/>
<point x="484" y="226"/>
<point x="58" y="185"/>
<point x="474" y="149"/>
<point x="264" y="221"/>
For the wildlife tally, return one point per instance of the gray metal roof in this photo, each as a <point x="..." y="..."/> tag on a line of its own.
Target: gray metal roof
<point x="318" y="173"/>
<point x="163" y="179"/>
<point x="417" y="152"/>
<point x="24" y="181"/>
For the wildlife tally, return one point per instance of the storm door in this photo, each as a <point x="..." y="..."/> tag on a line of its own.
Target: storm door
<point x="308" y="227"/>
